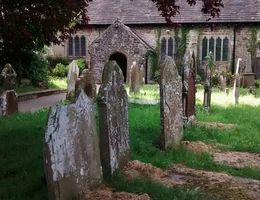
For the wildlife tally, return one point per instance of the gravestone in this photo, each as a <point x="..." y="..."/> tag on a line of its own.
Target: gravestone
<point x="207" y="90"/>
<point x="223" y="81"/>
<point x="71" y="151"/>
<point x="9" y="99"/>
<point x="73" y="73"/>
<point x="135" y="78"/>
<point x="141" y="75"/>
<point x="189" y="88"/>
<point x="114" y="125"/>
<point x="85" y="82"/>
<point x="236" y="82"/>
<point x="170" y="104"/>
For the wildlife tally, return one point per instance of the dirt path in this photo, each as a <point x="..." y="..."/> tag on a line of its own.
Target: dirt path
<point x="220" y="184"/>
<point x="42" y="102"/>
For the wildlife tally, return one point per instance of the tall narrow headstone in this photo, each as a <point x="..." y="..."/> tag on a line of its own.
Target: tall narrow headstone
<point x="236" y="82"/>
<point x="85" y="82"/>
<point x="134" y="78"/>
<point x="114" y="125"/>
<point x="9" y="99"/>
<point x="207" y="90"/>
<point x="71" y="150"/>
<point x="170" y="104"/>
<point x="142" y="75"/>
<point x="73" y="73"/>
<point x="189" y="88"/>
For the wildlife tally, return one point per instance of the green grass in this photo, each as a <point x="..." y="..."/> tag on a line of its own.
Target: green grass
<point x="21" y="148"/>
<point x="150" y="92"/>
<point x="22" y="89"/>
<point x="57" y="83"/>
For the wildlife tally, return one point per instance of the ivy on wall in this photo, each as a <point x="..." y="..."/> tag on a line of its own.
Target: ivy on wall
<point x="252" y="45"/>
<point x="154" y="56"/>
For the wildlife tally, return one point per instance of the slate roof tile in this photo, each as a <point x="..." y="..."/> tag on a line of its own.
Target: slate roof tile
<point x="104" y="12"/>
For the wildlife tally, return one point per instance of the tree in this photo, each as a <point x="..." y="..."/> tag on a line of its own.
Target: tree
<point x="26" y="25"/>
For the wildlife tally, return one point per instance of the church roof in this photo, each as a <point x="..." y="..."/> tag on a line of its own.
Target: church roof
<point x="104" y="12"/>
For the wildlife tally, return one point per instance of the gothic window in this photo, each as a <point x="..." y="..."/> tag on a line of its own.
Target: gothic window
<point x="204" y="48"/>
<point x="167" y="47"/>
<point x="163" y="49"/>
<point x="83" y="45"/>
<point x="211" y="45"/>
<point x="225" y="49"/>
<point x="77" y="46"/>
<point x="70" y="51"/>
<point x="218" y="45"/>
<point x="170" y="47"/>
<point x="76" y="40"/>
<point x="218" y="49"/>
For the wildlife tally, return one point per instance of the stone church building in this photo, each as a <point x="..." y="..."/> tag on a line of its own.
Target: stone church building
<point x="127" y="30"/>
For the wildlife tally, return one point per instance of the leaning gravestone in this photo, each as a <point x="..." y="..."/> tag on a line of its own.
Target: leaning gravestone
<point x="85" y="83"/>
<point x="113" y="114"/>
<point x="9" y="99"/>
<point x="171" y="104"/>
<point x="135" y="78"/>
<point x="73" y="73"/>
<point x="237" y="82"/>
<point x="71" y="151"/>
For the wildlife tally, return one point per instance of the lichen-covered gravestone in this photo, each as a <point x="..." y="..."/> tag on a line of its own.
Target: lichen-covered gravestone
<point x="71" y="150"/>
<point x="9" y="99"/>
<point x="142" y="73"/>
<point x="73" y="73"/>
<point x="207" y="89"/>
<point x="114" y="125"/>
<point x="189" y="88"/>
<point x="85" y="83"/>
<point x="135" y="83"/>
<point x="171" y="104"/>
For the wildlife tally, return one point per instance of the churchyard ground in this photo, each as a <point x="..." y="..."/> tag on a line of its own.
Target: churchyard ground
<point x="226" y="148"/>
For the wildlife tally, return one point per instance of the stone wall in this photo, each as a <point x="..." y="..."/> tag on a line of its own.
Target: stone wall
<point x="150" y="34"/>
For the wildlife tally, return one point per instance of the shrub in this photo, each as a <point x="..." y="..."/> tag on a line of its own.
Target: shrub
<point x="53" y="61"/>
<point x="198" y="79"/>
<point x="60" y="70"/>
<point x="36" y="70"/>
<point x="230" y="78"/>
<point x="157" y="76"/>
<point x="81" y="64"/>
<point x="215" y="80"/>
<point x="257" y="83"/>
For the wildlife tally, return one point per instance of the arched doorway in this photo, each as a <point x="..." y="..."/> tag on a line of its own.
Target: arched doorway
<point x="121" y="61"/>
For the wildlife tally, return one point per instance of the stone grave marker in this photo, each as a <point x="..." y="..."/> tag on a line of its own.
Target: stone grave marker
<point x="9" y="99"/>
<point x="114" y="125"/>
<point x="135" y="78"/>
<point x="207" y="87"/>
<point x="170" y="104"/>
<point x="71" y="150"/>
<point x="142" y="75"/>
<point x="85" y="82"/>
<point x="73" y="73"/>
<point x="237" y="82"/>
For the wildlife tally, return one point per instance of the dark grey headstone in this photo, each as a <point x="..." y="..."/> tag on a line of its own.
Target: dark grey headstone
<point x="171" y="104"/>
<point x="114" y="126"/>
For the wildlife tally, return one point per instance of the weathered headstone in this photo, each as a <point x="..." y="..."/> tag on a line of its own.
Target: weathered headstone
<point x="141" y="75"/>
<point x="223" y="81"/>
<point x="227" y="91"/>
<point x="135" y="78"/>
<point x="207" y="89"/>
<point x="71" y="150"/>
<point x="170" y="104"/>
<point x="9" y="99"/>
<point x="73" y="73"/>
<point x="114" y="125"/>
<point x="189" y="88"/>
<point x="85" y="83"/>
<point x="237" y="82"/>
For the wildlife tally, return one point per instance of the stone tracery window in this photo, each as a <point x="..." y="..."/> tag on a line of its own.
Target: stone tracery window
<point x="218" y="45"/>
<point x="167" y="47"/>
<point x="77" y="46"/>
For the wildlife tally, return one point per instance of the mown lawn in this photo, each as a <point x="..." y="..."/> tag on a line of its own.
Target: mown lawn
<point x="21" y="148"/>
